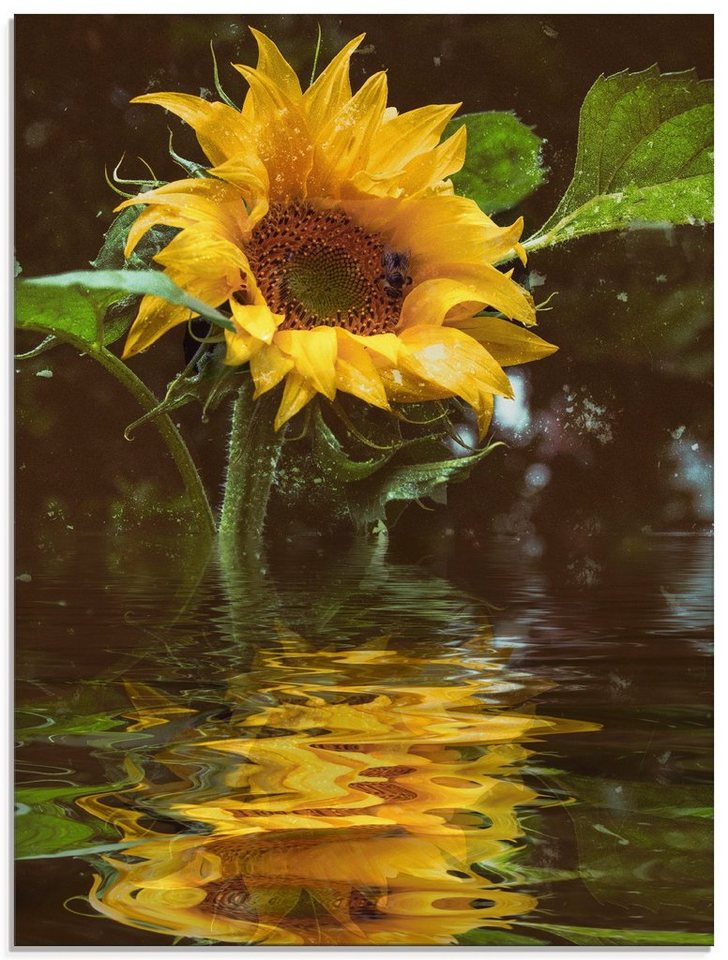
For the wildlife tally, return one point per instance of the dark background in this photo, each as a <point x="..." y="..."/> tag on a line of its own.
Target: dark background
<point x="615" y="432"/>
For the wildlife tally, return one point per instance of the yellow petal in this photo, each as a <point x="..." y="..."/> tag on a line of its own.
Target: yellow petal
<point x="453" y="360"/>
<point x="438" y="164"/>
<point x="197" y="252"/>
<point x="240" y="346"/>
<point x="404" y="137"/>
<point x="296" y="394"/>
<point x="273" y="64"/>
<point x="425" y="172"/>
<point x="507" y="343"/>
<point x="331" y="90"/>
<point x="430" y="301"/>
<point x="314" y="355"/>
<point x="281" y="134"/>
<point x="385" y="345"/>
<point x="221" y="131"/>
<point x="153" y="216"/>
<point x="484" y="413"/>
<point x="356" y="372"/>
<point x="199" y="187"/>
<point x="373" y="213"/>
<point x="200" y="201"/>
<point x="439" y="230"/>
<point x="402" y="387"/>
<point x="156" y="316"/>
<point x="252" y="181"/>
<point x="503" y="293"/>
<point x="268" y="367"/>
<point x="346" y="139"/>
<point x="256" y="319"/>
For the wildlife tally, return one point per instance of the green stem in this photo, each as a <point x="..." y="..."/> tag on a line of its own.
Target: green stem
<point x="536" y="242"/>
<point x="549" y="236"/>
<point x="146" y="399"/>
<point x="316" y="56"/>
<point x="253" y="456"/>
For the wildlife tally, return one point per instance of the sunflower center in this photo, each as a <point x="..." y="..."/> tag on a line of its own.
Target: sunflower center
<point x="319" y="269"/>
<point x="326" y="281"/>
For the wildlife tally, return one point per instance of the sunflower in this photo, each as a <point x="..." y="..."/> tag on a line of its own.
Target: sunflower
<point x="328" y="228"/>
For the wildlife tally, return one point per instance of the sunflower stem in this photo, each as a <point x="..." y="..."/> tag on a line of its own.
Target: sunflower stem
<point x="253" y="454"/>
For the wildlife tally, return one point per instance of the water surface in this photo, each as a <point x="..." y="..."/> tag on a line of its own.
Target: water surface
<point x="371" y="755"/>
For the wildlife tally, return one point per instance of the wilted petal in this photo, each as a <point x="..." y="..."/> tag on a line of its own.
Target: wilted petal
<point x="268" y="367"/>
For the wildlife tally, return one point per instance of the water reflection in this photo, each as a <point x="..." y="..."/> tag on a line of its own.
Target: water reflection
<point x="346" y="749"/>
<point x="349" y="792"/>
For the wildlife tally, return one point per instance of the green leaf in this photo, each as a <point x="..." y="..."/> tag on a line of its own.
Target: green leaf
<point x="644" y="155"/>
<point x="503" y="162"/>
<point x="412" y="481"/>
<point x="374" y="464"/>
<point x="207" y="380"/>
<point x="61" y="310"/>
<point x="335" y="461"/>
<point x="76" y="302"/>
<point x="72" y="726"/>
<point x="597" y="937"/>
<point x="111" y="255"/>
<point x="38" y="834"/>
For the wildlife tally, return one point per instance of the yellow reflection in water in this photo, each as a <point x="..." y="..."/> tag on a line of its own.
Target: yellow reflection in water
<point x="345" y="800"/>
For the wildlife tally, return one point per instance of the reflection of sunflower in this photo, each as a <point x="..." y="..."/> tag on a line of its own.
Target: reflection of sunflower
<point x="348" y="802"/>
<point x="329" y="228"/>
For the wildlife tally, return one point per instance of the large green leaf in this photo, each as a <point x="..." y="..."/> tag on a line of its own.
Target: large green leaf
<point x="503" y="161"/>
<point x="645" y="155"/>
<point x="64" y="309"/>
<point x="75" y="303"/>
<point x="41" y="833"/>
